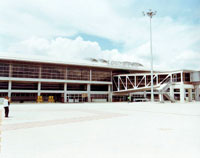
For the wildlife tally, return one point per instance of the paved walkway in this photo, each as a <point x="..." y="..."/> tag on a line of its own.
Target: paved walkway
<point x="102" y="130"/>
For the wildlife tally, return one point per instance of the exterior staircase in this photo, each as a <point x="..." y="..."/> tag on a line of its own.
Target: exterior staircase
<point x="169" y="97"/>
<point x="163" y="90"/>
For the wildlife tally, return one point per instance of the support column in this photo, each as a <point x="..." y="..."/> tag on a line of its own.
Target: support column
<point x="182" y="94"/>
<point x="88" y="92"/>
<point x="65" y="92"/>
<point x="161" y="97"/>
<point x="190" y="95"/>
<point x="181" y="77"/>
<point x="9" y="88"/>
<point x="197" y="93"/>
<point x="39" y="88"/>
<point x="90" y="75"/>
<point x="126" y="84"/>
<point x="171" y="92"/>
<point x="130" y="95"/>
<point x="135" y="81"/>
<point x="145" y="94"/>
<point x="171" y="80"/>
<point x="10" y="82"/>
<point x="109" y="93"/>
<point x="118" y="84"/>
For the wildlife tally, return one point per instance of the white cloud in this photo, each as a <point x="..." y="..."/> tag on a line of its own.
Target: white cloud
<point x="65" y="50"/>
<point x="42" y="28"/>
<point x="60" y="49"/>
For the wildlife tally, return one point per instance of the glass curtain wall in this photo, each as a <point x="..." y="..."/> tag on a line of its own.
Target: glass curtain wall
<point x="98" y="75"/>
<point x="53" y="72"/>
<point x="25" y="71"/>
<point x="78" y="74"/>
<point x="4" y="70"/>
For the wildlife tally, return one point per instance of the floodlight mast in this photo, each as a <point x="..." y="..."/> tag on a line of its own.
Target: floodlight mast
<point x="150" y="13"/>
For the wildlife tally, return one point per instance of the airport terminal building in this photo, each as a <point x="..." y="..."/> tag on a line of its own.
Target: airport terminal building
<point x="26" y="80"/>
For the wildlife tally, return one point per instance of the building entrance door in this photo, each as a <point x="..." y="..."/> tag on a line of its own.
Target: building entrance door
<point x="76" y="98"/>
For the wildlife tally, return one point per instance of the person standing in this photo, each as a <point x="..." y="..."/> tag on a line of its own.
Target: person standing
<point x="6" y="104"/>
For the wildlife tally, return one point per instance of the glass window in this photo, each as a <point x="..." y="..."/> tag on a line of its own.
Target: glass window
<point x="76" y="87"/>
<point x="101" y="75"/>
<point x="78" y="74"/>
<point x="25" y="71"/>
<point x="52" y="86"/>
<point x="24" y="86"/>
<point x="4" y="70"/>
<point x="53" y="72"/>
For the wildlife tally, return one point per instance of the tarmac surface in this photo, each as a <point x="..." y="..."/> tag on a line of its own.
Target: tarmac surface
<point x="102" y="130"/>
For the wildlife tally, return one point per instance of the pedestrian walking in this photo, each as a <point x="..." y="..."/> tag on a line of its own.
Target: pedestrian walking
<point x="6" y="104"/>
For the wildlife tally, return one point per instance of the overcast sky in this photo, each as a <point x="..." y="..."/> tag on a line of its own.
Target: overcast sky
<point x="71" y="30"/>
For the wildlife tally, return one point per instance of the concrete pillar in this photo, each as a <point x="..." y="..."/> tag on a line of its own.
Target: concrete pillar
<point x="90" y="75"/>
<point x="88" y="92"/>
<point x="65" y="92"/>
<point x="118" y="88"/>
<point x="171" y="80"/>
<point x="9" y="88"/>
<point x="130" y="95"/>
<point x="39" y="88"/>
<point x="145" y="94"/>
<point x="9" y="84"/>
<point x="182" y="94"/>
<point x="109" y="93"/>
<point x="190" y="95"/>
<point x="66" y="71"/>
<point x="181" y="77"/>
<point x="171" y="89"/>
<point x="197" y="92"/>
<point x="161" y="98"/>
<point x="135" y="81"/>
<point x="126" y="86"/>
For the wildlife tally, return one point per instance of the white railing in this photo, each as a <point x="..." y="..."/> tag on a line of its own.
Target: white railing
<point x="138" y="81"/>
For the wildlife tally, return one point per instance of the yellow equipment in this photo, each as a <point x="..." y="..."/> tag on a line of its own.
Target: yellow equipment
<point x="51" y="99"/>
<point x="39" y="99"/>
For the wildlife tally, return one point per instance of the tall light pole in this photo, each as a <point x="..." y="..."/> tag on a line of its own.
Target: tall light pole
<point x="150" y="13"/>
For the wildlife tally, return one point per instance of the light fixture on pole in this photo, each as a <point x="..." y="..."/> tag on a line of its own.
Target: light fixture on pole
<point x="150" y="13"/>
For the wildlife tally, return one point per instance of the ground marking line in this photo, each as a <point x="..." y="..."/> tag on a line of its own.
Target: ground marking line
<point x="26" y="125"/>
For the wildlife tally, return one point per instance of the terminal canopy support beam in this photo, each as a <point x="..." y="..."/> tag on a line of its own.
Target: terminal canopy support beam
<point x="39" y="88"/>
<point x="182" y="94"/>
<point x="189" y="94"/>
<point x="65" y="92"/>
<point x="88" y="91"/>
<point x="197" y="93"/>
<point x="9" y="88"/>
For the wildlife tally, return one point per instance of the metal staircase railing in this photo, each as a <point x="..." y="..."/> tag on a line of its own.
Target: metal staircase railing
<point x="163" y="89"/>
<point x="169" y="97"/>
